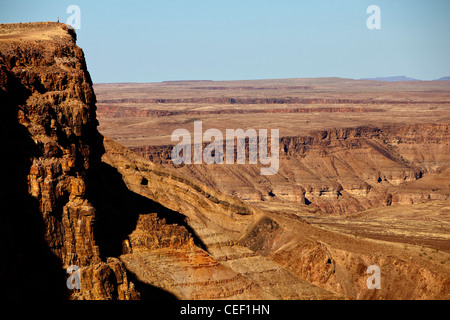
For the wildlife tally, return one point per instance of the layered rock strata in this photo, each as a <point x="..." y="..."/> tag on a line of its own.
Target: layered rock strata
<point x="338" y="170"/>
<point x="50" y="142"/>
<point x="66" y="207"/>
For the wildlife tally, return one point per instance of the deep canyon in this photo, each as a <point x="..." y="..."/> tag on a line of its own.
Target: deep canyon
<point x="88" y="181"/>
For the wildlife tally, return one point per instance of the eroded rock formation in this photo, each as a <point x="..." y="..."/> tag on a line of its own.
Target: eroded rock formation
<point x="47" y="95"/>
<point x="252" y="243"/>
<point x="338" y="170"/>
<point x="63" y="206"/>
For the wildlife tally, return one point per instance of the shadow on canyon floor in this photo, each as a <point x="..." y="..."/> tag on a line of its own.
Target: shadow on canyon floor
<point x="148" y="292"/>
<point x="117" y="212"/>
<point x="118" y="209"/>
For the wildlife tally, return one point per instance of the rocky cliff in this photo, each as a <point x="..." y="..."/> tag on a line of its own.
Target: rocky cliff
<point x="273" y="246"/>
<point x="210" y="264"/>
<point x="50" y="144"/>
<point x="65" y="202"/>
<point x="337" y="170"/>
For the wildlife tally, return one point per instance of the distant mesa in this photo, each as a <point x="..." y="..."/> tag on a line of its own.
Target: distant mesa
<point x="392" y="79"/>
<point x="403" y="78"/>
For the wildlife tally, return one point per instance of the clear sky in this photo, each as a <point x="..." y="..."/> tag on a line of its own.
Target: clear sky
<point x="150" y="41"/>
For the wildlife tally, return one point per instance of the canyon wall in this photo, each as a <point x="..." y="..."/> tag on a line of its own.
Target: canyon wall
<point x="259" y="101"/>
<point x="112" y="111"/>
<point x="337" y="170"/>
<point x="67" y="202"/>
<point x="50" y="143"/>
<point x="250" y="244"/>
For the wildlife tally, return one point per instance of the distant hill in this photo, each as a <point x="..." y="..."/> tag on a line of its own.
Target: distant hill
<point x="443" y="79"/>
<point x="390" y="79"/>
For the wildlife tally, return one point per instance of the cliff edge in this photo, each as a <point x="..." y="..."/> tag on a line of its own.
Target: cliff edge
<point x="49" y="145"/>
<point x="66" y="202"/>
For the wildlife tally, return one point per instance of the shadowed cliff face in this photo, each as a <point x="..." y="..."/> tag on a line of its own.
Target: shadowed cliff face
<point x="112" y="198"/>
<point x="51" y="144"/>
<point x="49" y="134"/>
<point x="27" y="262"/>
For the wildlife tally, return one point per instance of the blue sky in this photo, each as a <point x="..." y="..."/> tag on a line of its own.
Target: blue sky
<point x="150" y="41"/>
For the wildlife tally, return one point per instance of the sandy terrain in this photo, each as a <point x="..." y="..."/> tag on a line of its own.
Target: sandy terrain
<point x="131" y="114"/>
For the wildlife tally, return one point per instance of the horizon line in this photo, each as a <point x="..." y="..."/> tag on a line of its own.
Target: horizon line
<point x="380" y="79"/>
